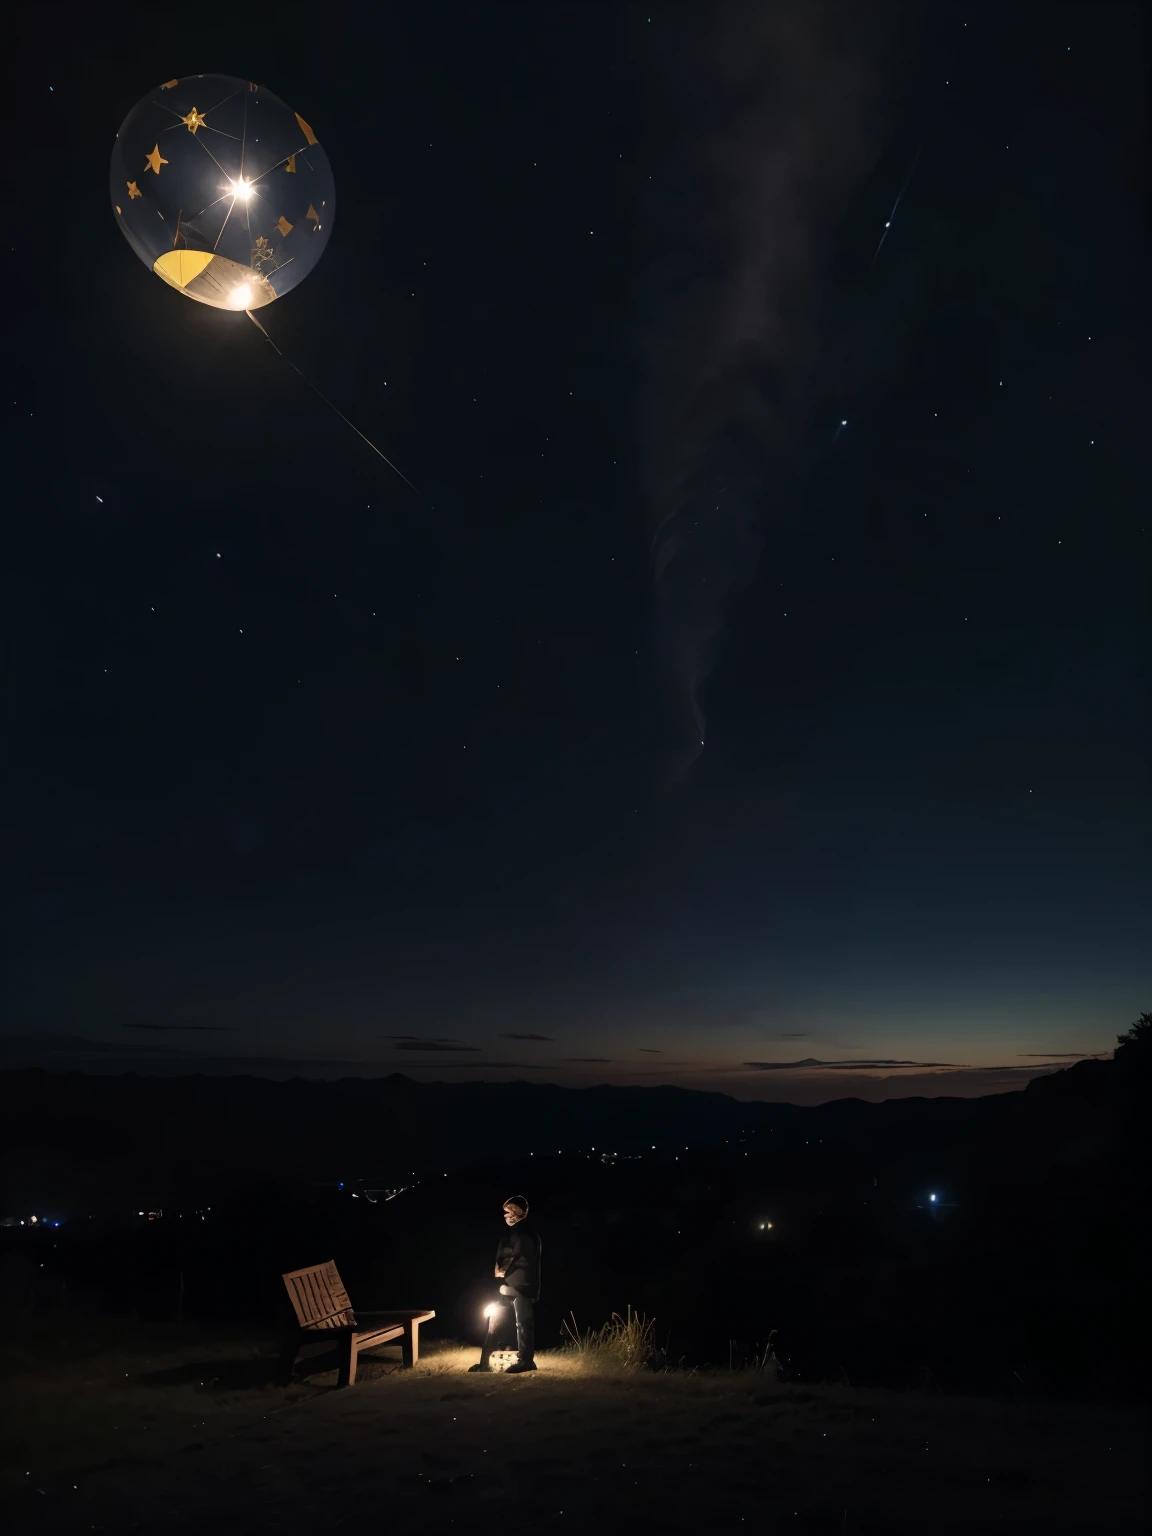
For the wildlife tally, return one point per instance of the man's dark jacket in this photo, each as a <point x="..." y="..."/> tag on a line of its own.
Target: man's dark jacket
<point x="518" y="1255"/>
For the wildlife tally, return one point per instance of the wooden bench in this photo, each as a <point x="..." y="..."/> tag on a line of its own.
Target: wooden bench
<point x="322" y="1308"/>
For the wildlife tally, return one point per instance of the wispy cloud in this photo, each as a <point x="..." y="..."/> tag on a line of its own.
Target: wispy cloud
<point x="810" y="1063"/>
<point x="1014" y="1068"/>
<point x="601" y="1060"/>
<point x="651" y="1050"/>
<point x="214" y="1029"/>
<point x="512" y="1036"/>
<point x="438" y="1039"/>
<point x="434" y="1043"/>
<point x="75" y="1052"/>
<point x="31" y="1046"/>
<point x="773" y="128"/>
<point x="1069" y="1055"/>
<point x="476" y="1066"/>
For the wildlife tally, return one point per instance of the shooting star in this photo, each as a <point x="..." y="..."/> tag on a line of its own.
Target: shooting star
<point x="895" y="205"/>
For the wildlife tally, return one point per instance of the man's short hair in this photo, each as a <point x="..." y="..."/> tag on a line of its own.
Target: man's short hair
<point x="519" y="1201"/>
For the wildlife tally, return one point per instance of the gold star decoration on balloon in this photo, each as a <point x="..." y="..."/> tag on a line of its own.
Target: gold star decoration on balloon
<point x="313" y="215"/>
<point x="291" y="166"/>
<point x="194" y="120"/>
<point x="262" y="255"/>
<point x="133" y="191"/>
<point x="155" y="160"/>
<point x="283" y="225"/>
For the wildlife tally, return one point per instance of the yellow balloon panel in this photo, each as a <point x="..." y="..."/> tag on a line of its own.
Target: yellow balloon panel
<point x="214" y="280"/>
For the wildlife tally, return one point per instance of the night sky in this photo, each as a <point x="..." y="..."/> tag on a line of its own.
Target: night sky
<point x="767" y="682"/>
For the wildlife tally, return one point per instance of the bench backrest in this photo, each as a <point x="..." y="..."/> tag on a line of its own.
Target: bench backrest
<point x="318" y="1297"/>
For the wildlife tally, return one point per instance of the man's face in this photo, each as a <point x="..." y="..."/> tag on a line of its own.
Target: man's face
<point x="513" y="1214"/>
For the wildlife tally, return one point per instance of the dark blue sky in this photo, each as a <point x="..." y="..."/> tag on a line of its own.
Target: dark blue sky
<point x="593" y="277"/>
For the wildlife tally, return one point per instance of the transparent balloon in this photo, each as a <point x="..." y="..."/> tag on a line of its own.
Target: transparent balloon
<point x="222" y="190"/>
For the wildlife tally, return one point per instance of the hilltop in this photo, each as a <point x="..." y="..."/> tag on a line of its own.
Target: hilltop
<point x="70" y="1137"/>
<point x="437" y="1450"/>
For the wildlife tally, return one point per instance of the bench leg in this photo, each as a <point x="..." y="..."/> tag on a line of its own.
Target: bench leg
<point x="346" y="1376"/>
<point x="289" y="1349"/>
<point x="410" y="1344"/>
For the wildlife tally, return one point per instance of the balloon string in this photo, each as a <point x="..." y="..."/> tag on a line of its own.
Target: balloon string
<point x="338" y="411"/>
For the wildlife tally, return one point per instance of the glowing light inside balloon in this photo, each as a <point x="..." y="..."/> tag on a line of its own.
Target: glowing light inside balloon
<point x="242" y="189"/>
<point x="242" y="296"/>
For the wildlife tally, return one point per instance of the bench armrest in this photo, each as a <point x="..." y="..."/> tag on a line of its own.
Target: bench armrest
<point x="405" y="1316"/>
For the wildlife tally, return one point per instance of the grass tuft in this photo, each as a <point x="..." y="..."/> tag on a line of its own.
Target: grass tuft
<point x="625" y="1343"/>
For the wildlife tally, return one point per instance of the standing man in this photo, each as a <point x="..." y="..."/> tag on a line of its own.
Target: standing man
<point x="518" y="1266"/>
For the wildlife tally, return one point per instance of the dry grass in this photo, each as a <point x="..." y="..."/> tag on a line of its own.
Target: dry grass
<point x="194" y="1434"/>
<point x="75" y="1397"/>
<point x="625" y="1343"/>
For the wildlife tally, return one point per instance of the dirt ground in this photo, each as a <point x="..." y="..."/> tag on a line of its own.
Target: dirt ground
<point x="194" y="1437"/>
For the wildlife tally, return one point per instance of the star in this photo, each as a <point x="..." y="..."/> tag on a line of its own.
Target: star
<point x="155" y="160"/>
<point x="133" y="191"/>
<point x="194" y="120"/>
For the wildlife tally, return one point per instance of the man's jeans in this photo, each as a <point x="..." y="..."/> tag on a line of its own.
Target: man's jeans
<point x="524" y="1309"/>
